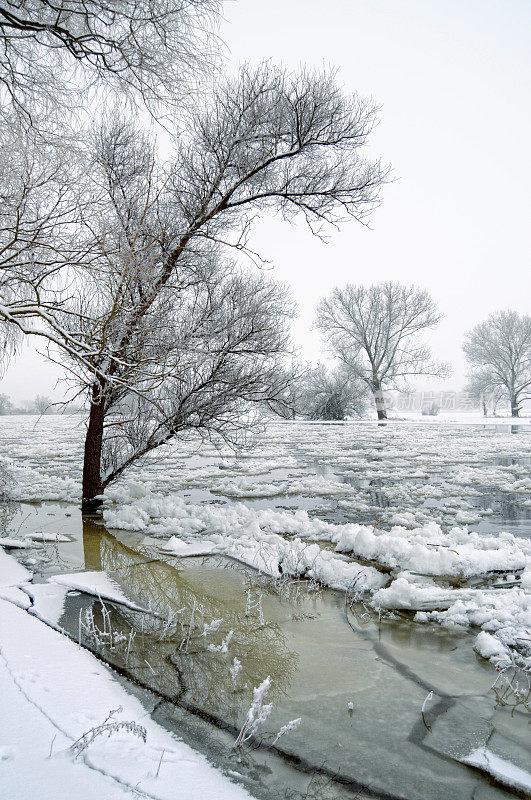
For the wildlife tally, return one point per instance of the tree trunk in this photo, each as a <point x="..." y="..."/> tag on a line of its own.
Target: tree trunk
<point x="515" y="409"/>
<point x="379" y="399"/>
<point x="92" y="485"/>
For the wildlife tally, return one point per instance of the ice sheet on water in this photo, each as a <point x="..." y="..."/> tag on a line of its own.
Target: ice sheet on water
<point x="48" y="601"/>
<point x="398" y="498"/>
<point x="503" y="770"/>
<point x="45" y="536"/>
<point x="98" y="584"/>
<point x="463" y="730"/>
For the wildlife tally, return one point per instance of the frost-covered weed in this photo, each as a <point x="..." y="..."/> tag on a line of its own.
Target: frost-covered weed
<point x="512" y="686"/>
<point x="224" y="646"/>
<point x="108" y="727"/>
<point x="211" y="627"/>
<point x="107" y="638"/>
<point x="197" y="608"/>
<point x="235" y="671"/>
<point x="427" y="700"/>
<point x="192" y="633"/>
<point x="169" y="626"/>
<point x="290" y="726"/>
<point x="257" y="714"/>
<point x="254" y="604"/>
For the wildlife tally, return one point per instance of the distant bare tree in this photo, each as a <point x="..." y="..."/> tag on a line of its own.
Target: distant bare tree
<point x="6" y="406"/>
<point x="54" y="49"/>
<point x="501" y="348"/>
<point x="332" y="394"/>
<point x="42" y="404"/>
<point x="152" y="320"/>
<point x="374" y="331"/>
<point x="484" y="387"/>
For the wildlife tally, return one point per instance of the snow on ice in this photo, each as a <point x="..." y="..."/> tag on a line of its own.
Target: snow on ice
<point x="407" y="514"/>
<point x="52" y="693"/>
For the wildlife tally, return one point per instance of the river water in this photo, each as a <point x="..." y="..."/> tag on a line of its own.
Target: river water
<point x="358" y="683"/>
<point x="320" y="654"/>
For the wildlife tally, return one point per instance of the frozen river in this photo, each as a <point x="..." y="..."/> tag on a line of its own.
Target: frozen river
<point x="355" y="564"/>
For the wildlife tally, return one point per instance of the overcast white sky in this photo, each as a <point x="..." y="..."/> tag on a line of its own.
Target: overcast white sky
<point x="453" y="79"/>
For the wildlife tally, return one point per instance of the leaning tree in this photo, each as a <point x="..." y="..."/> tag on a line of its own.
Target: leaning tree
<point x="375" y="332"/>
<point x="501" y="348"/>
<point x="135" y="289"/>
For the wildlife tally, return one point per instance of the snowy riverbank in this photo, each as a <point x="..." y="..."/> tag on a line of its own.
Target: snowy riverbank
<point x="53" y="692"/>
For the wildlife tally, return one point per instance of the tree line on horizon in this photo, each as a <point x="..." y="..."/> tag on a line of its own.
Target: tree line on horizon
<point x="40" y="404"/>
<point x="374" y="334"/>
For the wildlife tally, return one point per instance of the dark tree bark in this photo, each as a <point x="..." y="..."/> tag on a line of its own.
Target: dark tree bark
<point x="92" y="481"/>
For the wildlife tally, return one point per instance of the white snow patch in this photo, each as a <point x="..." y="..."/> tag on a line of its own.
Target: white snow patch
<point x="13" y="544"/>
<point x="11" y="572"/>
<point x="504" y="771"/>
<point x="489" y="647"/>
<point x="178" y="547"/>
<point x="98" y="584"/>
<point x="52" y="688"/>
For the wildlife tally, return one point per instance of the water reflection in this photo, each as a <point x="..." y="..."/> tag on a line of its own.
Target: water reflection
<point x="318" y="663"/>
<point x="169" y="651"/>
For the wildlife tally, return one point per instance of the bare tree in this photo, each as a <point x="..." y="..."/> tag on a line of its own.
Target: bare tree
<point x="147" y="311"/>
<point x="42" y="404"/>
<point x="57" y="57"/>
<point x="57" y="49"/>
<point x="485" y="387"/>
<point x="6" y="406"/>
<point x="374" y="331"/>
<point x="331" y="394"/>
<point x="501" y="346"/>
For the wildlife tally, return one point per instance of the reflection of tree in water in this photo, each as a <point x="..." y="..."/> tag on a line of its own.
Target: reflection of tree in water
<point x="8" y="510"/>
<point x="199" y="676"/>
<point x="8" y="507"/>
